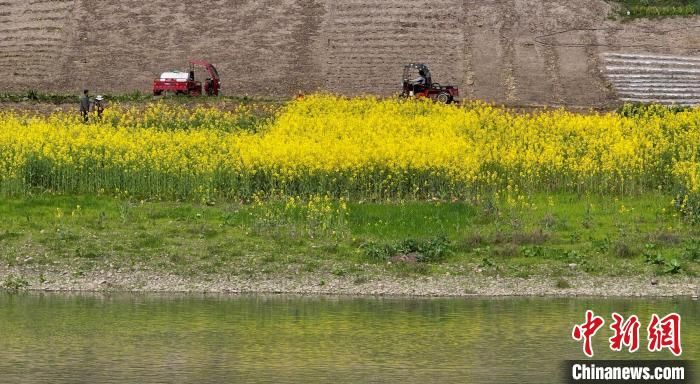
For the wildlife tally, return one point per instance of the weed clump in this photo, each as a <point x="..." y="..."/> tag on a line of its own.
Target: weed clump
<point x="623" y="250"/>
<point x="657" y="8"/>
<point x="430" y="250"/>
<point x="688" y="205"/>
<point x="14" y="284"/>
<point x="563" y="284"/>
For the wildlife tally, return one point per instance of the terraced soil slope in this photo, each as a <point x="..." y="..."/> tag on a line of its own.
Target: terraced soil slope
<point x="33" y="37"/>
<point x="509" y="51"/>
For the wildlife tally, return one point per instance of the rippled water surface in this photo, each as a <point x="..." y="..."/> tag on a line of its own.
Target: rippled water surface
<point x="290" y="339"/>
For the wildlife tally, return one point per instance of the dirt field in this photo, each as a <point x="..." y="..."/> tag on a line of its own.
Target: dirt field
<point x="521" y="52"/>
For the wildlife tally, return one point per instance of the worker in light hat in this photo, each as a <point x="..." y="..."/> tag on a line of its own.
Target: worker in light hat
<point x="99" y="106"/>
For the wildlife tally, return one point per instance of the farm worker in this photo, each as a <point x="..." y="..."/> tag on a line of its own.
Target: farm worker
<point x="99" y="106"/>
<point x="420" y="80"/>
<point x="84" y="105"/>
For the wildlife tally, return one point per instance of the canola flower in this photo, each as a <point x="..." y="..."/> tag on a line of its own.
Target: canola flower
<point x="349" y="147"/>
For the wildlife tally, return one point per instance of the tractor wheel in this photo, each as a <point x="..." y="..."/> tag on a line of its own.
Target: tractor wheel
<point x="444" y="98"/>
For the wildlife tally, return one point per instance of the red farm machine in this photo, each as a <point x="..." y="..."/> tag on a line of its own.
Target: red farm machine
<point x="185" y="83"/>
<point x="418" y="83"/>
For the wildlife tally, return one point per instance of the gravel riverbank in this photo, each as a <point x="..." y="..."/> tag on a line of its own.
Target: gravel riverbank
<point x="471" y="285"/>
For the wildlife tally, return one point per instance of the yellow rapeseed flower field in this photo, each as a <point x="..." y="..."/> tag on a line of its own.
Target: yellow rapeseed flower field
<point x="350" y="147"/>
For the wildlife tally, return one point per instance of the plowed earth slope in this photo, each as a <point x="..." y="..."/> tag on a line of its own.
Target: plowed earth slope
<point x="509" y="51"/>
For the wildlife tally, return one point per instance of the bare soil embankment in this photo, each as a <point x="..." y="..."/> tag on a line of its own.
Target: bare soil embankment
<point x="518" y="52"/>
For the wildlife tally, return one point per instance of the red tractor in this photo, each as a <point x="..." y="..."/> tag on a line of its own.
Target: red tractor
<point x="418" y="83"/>
<point x="184" y="83"/>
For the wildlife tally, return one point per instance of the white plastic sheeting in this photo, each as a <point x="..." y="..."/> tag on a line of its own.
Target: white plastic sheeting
<point x="648" y="78"/>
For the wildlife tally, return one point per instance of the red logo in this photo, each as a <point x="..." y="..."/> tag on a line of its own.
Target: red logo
<point x="586" y="331"/>
<point x="626" y="333"/>
<point x="665" y="333"/>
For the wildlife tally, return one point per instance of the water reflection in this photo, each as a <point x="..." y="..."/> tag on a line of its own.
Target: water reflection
<point x="289" y="339"/>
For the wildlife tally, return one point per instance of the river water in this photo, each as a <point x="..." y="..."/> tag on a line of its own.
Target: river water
<point x="57" y="338"/>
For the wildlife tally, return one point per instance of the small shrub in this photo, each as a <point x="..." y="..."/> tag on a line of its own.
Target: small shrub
<point x="486" y="262"/>
<point x="8" y="235"/>
<point x="665" y="237"/>
<point x="672" y="267"/>
<point x="563" y="284"/>
<point x="572" y="256"/>
<point x="692" y="251"/>
<point x="535" y="237"/>
<point x="434" y="250"/>
<point x="489" y="211"/>
<point x="654" y="259"/>
<point x="642" y="110"/>
<point x="471" y="241"/>
<point x="408" y="269"/>
<point x="588" y="221"/>
<point x="360" y="279"/>
<point x="602" y="246"/>
<point x="311" y="266"/>
<point x="134" y="96"/>
<point x="688" y="205"/>
<point x="475" y="240"/>
<point x="14" y="283"/>
<point x="534" y="251"/>
<point x="376" y="251"/>
<point x="622" y="249"/>
<point x="428" y="251"/>
<point x="32" y="95"/>
<point x="338" y="271"/>
<point x="549" y="221"/>
<point x="508" y="250"/>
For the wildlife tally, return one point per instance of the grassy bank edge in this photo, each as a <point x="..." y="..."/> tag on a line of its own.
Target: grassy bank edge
<point x="556" y="245"/>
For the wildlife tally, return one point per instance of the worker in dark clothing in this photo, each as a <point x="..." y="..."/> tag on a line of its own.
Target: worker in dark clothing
<point x="419" y="82"/>
<point x="208" y="87"/>
<point x="99" y="106"/>
<point x="84" y="105"/>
